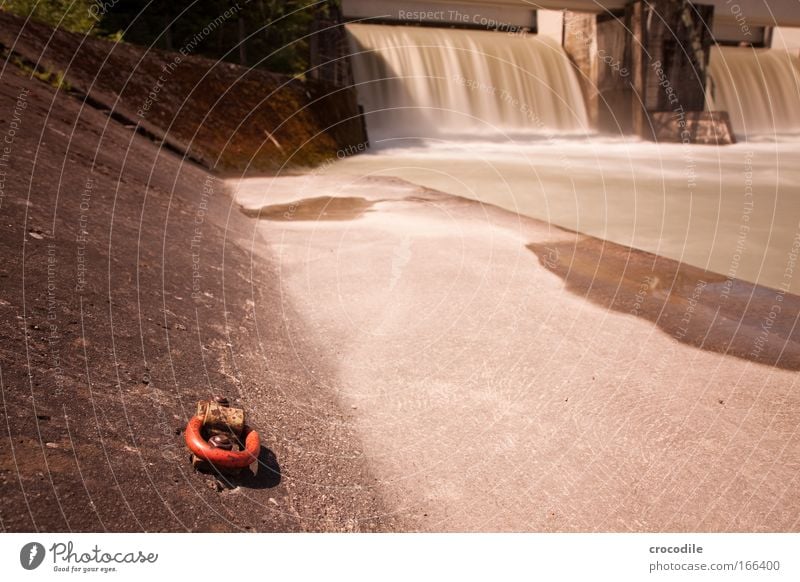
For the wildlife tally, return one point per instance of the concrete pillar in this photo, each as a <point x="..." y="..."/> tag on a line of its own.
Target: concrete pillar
<point x="328" y="49"/>
<point x="598" y="46"/>
<point x="578" y="39"/>
<point x="643" y="70"/>
<point x="670" y="42"/>
<point x="330" y="79"/>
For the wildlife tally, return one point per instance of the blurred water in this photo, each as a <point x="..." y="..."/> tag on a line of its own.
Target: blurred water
<point x="417" y="81"/>
<point x="734" y="210"/>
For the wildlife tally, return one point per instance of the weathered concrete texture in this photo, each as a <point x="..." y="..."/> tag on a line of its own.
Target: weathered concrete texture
<point x="578" y="32"/>
<point x="229" y="117"/>
<point x="669" y="46"/>
<point x="672" y="41"/>
<point x="643" y="71"/>
<point x="599" y="47"/>
<point x="130" y="288"/>
<point x="509" y="375"/>
<point x="700" y="127"/>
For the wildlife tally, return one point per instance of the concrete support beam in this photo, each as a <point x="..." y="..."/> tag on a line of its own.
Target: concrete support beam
<point x="579" y="34"/>
<point x="741" y="13"/>
<point x="331" y="67"/>
<point x="328" y="49"/>
<point x="598" y="46"/>
<point x="670" y="46"/>
<point x="614" y="74"/>
<point x="643" y="70"/>
<point x="699" y="127"/>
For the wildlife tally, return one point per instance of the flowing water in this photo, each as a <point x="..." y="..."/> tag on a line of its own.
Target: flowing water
<point x="493" y="383"/>
<point x="434" y="82"/>
<point x="759" y="88"/>
<point x="499" y="118"/>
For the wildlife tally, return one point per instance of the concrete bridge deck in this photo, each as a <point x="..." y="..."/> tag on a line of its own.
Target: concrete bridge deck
<point x="752" y="12"/>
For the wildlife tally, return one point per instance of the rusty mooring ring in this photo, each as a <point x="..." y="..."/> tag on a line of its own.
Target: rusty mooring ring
<point x="220" y="457"/>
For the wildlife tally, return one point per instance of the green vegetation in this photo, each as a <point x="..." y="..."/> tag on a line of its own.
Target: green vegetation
<point x="74" y="15"/>
<point x="54" y="78"/>
<point x="261" y="33"/>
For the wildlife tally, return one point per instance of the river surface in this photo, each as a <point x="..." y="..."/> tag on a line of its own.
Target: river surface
<point x="734" y="210"/>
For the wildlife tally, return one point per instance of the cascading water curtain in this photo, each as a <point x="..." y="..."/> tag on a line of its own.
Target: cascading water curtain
<point x="436" y="82"/>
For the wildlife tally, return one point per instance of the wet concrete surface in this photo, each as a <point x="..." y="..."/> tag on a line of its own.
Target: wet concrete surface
<point x="704" y="309"/>
<point x="315" y="209"/>
<point x="507" y="375"/>
<point x="130" y="288"/>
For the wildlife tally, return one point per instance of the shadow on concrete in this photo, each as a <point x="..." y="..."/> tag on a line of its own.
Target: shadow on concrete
<point x="265" y="474"/>
<point x="696" y="307"/>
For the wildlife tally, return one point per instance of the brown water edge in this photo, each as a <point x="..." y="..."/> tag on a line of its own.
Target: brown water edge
<point x="317" y="208"/>
<point x="321" y="208"/>
<point x="700" y="308"/>
<point x="487" y="398"/>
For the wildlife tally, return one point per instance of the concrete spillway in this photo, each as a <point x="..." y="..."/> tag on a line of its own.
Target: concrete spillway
<point x="759" y="88"/>
<point x="504" y="374"/>
<point x="434" y="82"/>
<point x="732" y="211"/>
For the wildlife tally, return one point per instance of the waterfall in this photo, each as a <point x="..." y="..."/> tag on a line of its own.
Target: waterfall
<point x="759" y="88"/>
<point x="435" y="82"/>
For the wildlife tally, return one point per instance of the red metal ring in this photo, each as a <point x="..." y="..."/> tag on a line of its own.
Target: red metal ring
<point x="219" y="457"/>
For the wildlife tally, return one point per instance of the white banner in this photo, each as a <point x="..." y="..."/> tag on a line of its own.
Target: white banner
<point x="484" y="557"/>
